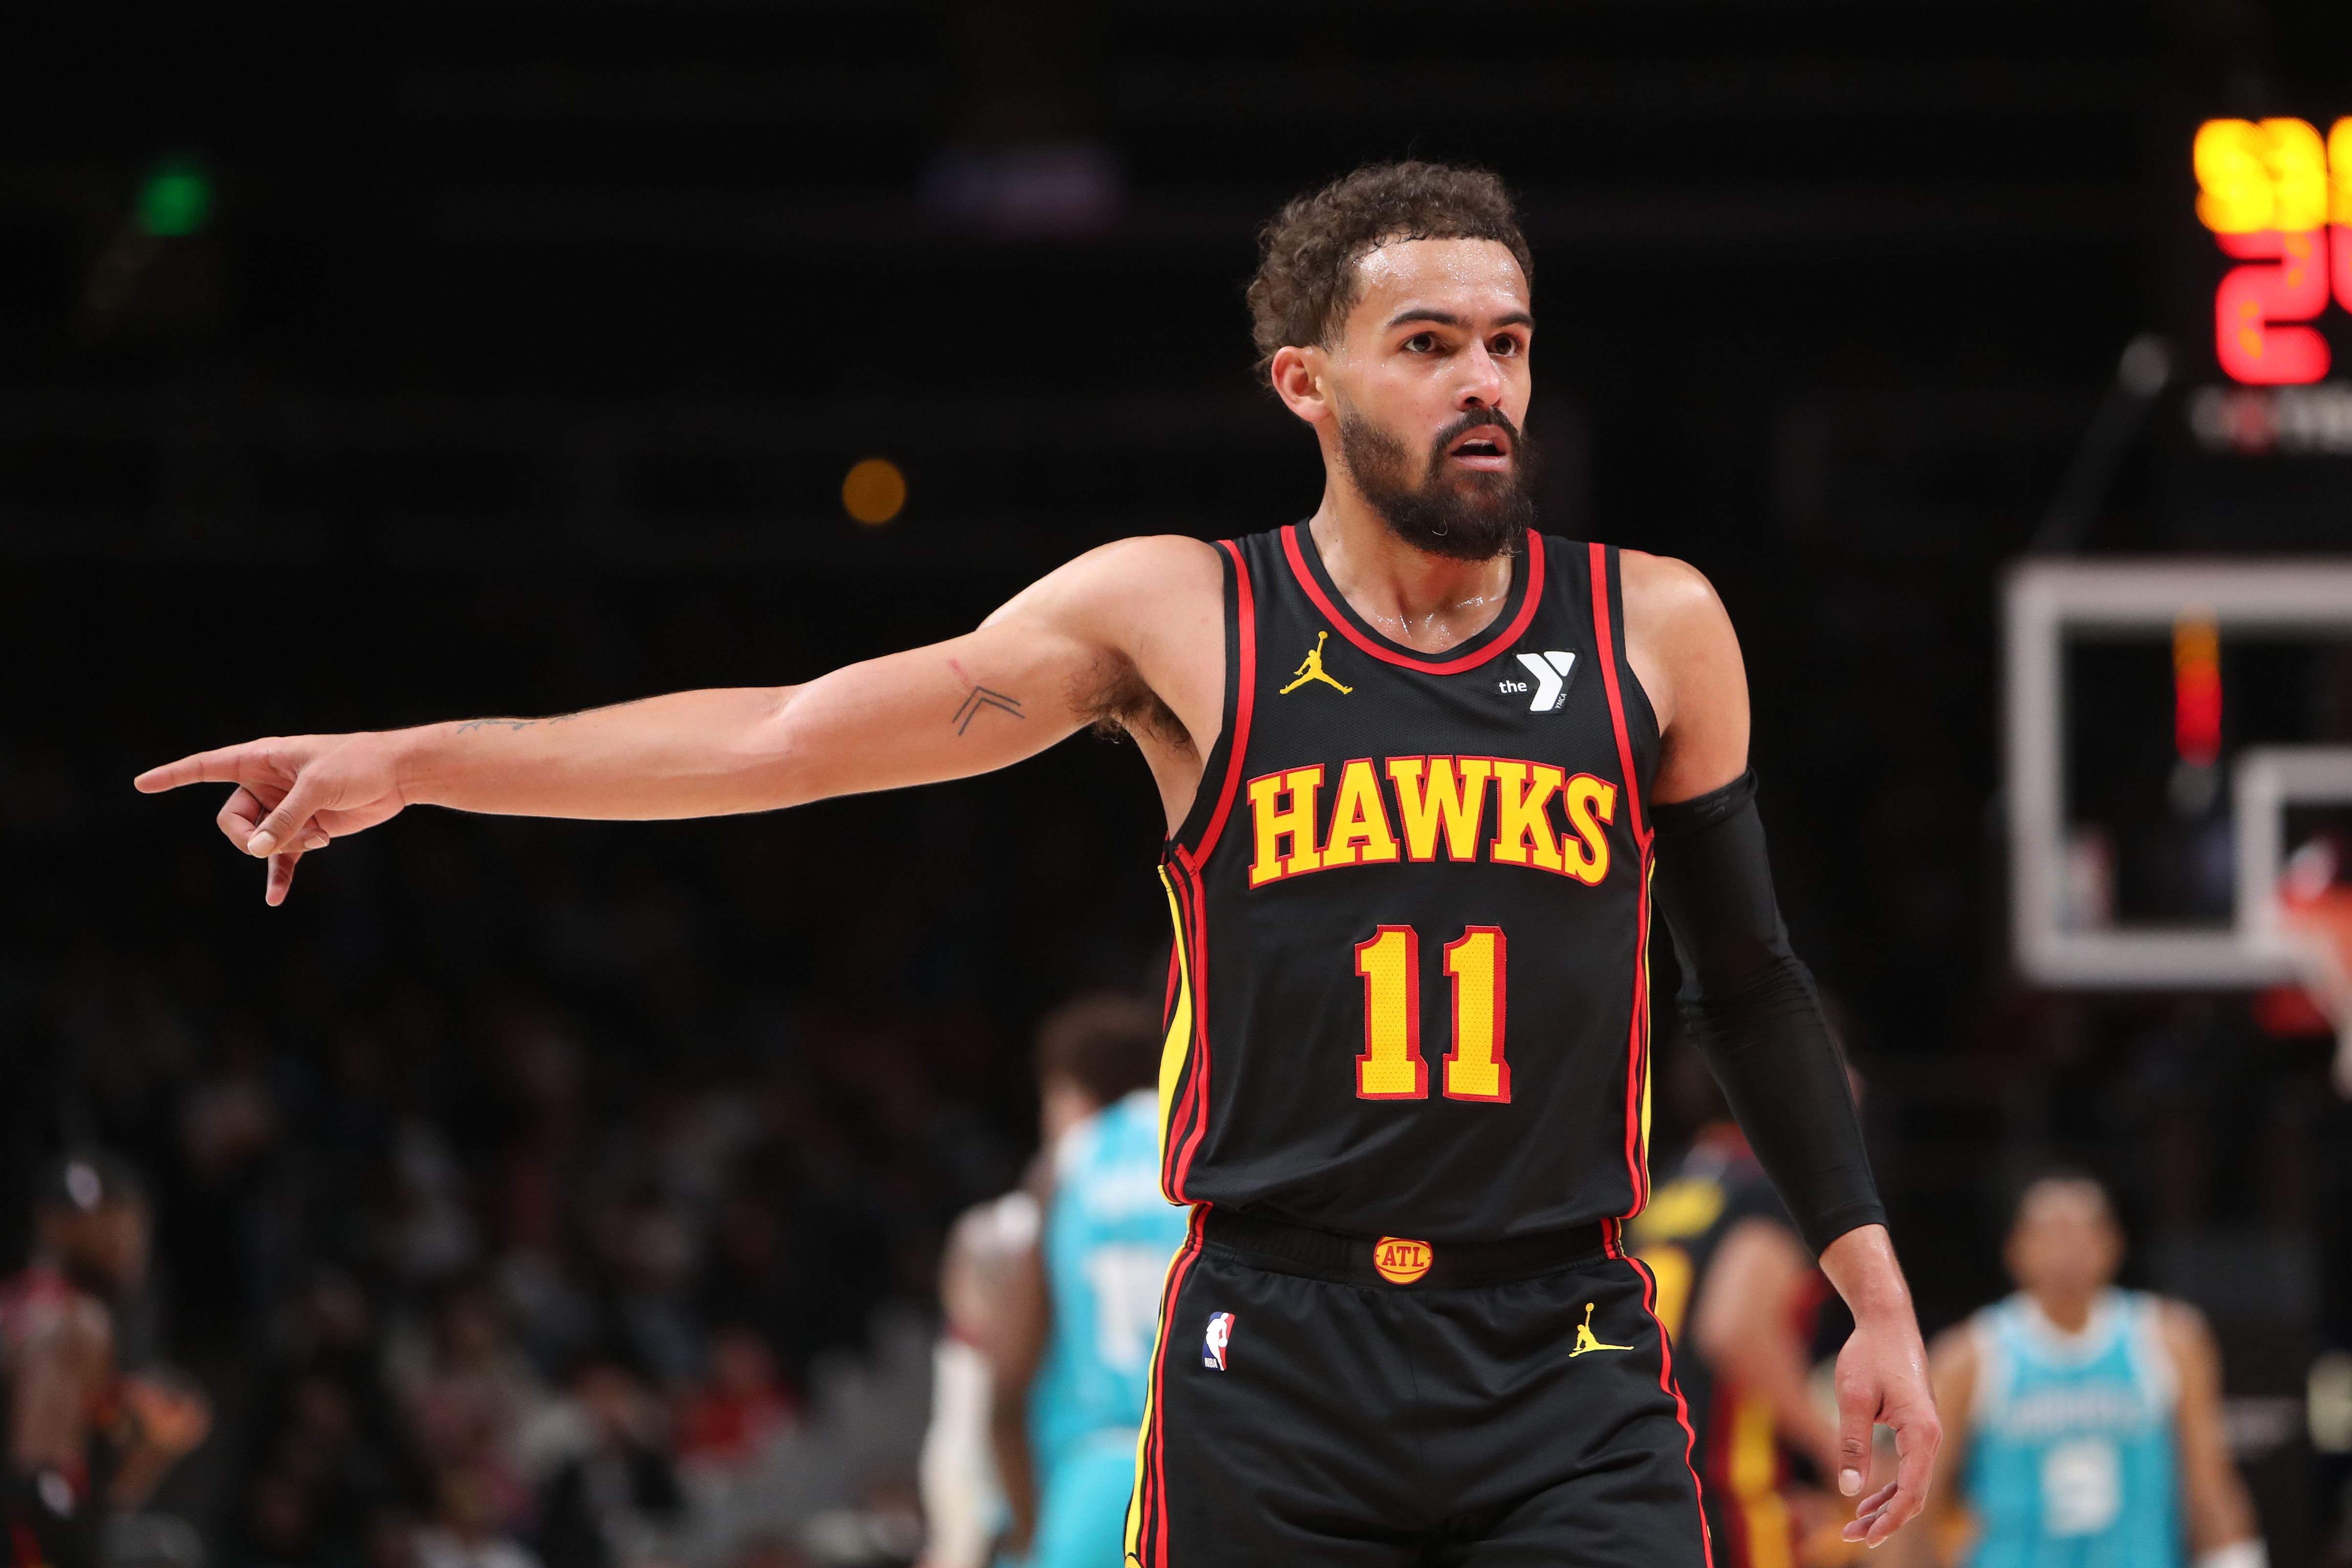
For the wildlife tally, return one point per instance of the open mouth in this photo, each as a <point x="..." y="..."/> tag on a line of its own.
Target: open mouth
<point x="1485" y="447"/>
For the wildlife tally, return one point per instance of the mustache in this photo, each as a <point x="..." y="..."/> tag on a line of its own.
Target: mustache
<point x="1476" y="419"/>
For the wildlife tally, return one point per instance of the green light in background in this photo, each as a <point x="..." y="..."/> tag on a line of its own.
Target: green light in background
<point x="176" y="199"/>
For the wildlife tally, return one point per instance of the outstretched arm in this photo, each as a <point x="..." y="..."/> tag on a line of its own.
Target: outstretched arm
<point x="1140" y="615"/>
<point x="1754" y="1010"/>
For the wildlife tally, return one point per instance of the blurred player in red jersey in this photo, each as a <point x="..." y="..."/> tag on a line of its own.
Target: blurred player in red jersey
<point x="85" y="1437"/>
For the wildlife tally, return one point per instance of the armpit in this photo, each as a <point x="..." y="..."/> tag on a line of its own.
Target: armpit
<point x="1115" y="700"/>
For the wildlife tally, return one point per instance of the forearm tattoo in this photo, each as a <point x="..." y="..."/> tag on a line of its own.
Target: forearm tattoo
<point x="511" y="724"/>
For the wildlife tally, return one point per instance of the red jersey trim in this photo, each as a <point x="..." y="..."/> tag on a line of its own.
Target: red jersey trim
<point x="1488" y="646"/>
<point x="1605" y="633"/>
<point x="1682" y="1409"/>
<point x="1197" y="1090"/>
<point x="1245" y="702"/>
<point x="1637" y="1032"/>
<point x="1152" y="1524"/>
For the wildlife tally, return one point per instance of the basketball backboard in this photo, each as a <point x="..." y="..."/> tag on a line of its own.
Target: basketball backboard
<point x="2131" y="867"/>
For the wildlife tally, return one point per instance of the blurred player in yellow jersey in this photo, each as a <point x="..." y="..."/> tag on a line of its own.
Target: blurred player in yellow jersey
<point x="1740" y="1294"/>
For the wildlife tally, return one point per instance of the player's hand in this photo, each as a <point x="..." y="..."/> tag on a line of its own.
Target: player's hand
<point x="172" y="1412"/>
<point x="293" y="795"/>
<point x="1882" y="1378"/>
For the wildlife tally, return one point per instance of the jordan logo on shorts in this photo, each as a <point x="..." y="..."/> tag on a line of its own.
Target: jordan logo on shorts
<point x="1221" y="1335"/>
<point x="1584" y="1340"/>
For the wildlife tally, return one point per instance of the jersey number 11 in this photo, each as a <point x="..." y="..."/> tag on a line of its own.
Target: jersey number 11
<point x="1392" y="1067"/>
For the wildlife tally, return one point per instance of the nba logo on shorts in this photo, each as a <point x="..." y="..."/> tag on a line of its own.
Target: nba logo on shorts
<point x="1221" y="1335"/>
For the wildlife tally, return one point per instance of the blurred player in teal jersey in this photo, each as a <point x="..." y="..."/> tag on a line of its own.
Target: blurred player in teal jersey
<point x="1109" y="1237"/>
<point x="1069" y="1333"/>
<point x="2085" y="1420"/>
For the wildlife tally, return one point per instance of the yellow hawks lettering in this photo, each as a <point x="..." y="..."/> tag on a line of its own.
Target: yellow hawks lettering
<point x="1432" y="809"/>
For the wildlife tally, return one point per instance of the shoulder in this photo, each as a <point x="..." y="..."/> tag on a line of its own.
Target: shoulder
<point x="1150" y="563"/>
<point x="2183" y="1330"/>
<point x="1127" y="588"/>
<point x="42" y="1310"/>
<point x="1683" y="650"/>
<point x="989" y="1233"/>
<point x="1079" y="1146"/>
<point x="1664" y="595"/>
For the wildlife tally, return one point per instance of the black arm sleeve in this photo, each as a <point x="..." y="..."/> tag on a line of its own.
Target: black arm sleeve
<point x="1753" y="1009"/>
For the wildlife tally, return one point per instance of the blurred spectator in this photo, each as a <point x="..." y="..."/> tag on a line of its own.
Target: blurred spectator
<point x="465" y="1531"/>
<point x="478" y="1406"/>
<point x="280" y="1531"/>
<point x="427" y="1236"/>
<point x="609" y="1503"/>
<point x="230" y="1118"/>
<point x="650" y="1245"/>
<point x="740" y="1409"/>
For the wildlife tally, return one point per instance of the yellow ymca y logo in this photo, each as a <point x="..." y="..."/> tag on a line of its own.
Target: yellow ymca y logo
<point x="1311" y="669"/>
<point x="1584" y="1340"/>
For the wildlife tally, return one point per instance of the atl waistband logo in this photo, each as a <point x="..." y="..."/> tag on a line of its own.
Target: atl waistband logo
<point x="1220" y="1336"/>
<point x="1400" y="1262"/>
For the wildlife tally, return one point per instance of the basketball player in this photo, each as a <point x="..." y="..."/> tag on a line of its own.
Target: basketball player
<point x="1074" y="1356"/>
<point x="2088" y="1419"/>
<point x="1738" y="1289"/>
<point x="963" y="1499"/>
<point x="85" y="1438"/>
<point x="1040" y="1378"/>
<point x="1418" y="763"/>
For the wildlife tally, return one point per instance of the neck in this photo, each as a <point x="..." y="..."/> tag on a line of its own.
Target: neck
<point x="1425" y="602"/>
<point x="2067" y="1311"/>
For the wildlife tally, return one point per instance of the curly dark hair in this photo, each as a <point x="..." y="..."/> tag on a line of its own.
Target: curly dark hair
<point x="1307" y="279"/>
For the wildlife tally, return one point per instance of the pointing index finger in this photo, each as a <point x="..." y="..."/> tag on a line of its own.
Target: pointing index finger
<point x="216" y="766"/>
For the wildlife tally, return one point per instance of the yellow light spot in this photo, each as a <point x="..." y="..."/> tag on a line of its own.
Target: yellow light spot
<point x="2339" y="165"/>
<point x="875" y="491"/>
<point x="2252" y="177"/>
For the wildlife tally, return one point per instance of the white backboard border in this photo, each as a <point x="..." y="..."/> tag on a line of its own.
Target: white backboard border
<point x="2045" y="602"/>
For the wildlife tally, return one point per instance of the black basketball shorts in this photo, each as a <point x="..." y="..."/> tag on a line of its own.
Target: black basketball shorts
<point x="1509" y="1405"/>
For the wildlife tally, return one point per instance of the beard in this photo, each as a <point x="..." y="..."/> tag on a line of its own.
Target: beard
<point x="1460" y="514"/>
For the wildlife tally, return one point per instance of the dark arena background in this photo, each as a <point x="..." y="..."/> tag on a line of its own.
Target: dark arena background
<point x="367" y="364"/>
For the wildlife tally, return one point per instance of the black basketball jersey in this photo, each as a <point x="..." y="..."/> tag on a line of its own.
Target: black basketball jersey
<point x="1409" y="995"/>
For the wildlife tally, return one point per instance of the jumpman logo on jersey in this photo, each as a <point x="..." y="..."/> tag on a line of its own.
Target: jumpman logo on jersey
<point x="1584" y="1340"/>
<point x="1311" y="669"/>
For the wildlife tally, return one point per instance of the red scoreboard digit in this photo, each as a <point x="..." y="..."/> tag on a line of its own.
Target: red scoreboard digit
<point x="2279" y="198"/>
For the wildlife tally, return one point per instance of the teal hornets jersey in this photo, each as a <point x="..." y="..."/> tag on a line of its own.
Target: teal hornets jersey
<point x="1110" y="1235"/>
<point x="2071" y="1465"/>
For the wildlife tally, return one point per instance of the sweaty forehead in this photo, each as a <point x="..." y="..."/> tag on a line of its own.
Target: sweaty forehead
<point x="1477" y="273"/>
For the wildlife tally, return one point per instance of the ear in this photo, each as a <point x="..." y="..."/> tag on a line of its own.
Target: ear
<point x="1301" y="380"/>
